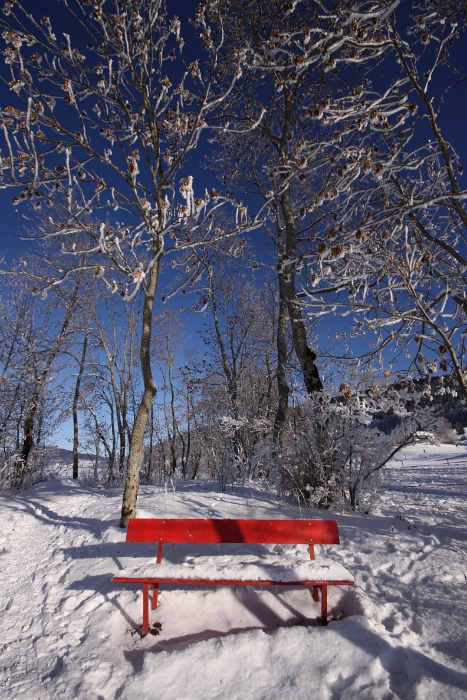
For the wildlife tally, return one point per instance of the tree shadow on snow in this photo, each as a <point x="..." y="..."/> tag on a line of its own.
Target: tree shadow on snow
<point x="46" y="515"/>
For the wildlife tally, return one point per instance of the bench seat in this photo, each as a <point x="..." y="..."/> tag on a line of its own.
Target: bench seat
<point x="238" y="569"/>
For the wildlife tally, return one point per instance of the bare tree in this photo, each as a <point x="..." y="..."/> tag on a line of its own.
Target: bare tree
<point x="108" y="126"/>
<point x="300" y="59"/>
<point x="116" y="337"/>
<point x="17" y="330"/>
<point x="43" y="360"/>
<point x="238" y="376"/>
<point x="166" y="337"/>
<point x="76" y="394"/>
<point x="398" y="254"/>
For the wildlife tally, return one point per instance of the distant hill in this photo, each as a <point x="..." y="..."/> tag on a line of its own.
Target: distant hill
<point x="442" y="391"/>
<point x="67" y="455"/>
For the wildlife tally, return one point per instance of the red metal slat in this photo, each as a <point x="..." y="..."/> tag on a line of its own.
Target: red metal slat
<point x="232" y="531"/>
<point x="225" y="582"/>
<point x="324" y="605"/>
<point x="160" y="547"/>
<point x="145" y="609"/>
<point x="155" y="595"/>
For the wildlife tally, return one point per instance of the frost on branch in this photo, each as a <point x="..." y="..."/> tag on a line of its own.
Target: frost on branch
<point x="187" y="193"/>
<point x="398" y="233"/>
<point x="100" y="126"/>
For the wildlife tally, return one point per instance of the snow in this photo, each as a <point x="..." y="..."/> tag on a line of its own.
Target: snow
<point x="400" y="632"/>
<point x="238" y="568"/>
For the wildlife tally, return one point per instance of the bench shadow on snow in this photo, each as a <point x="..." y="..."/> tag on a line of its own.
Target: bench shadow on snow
<point x="405" y="666"/>
<point x="250" y="600"/>
<point x="256" y="605"/>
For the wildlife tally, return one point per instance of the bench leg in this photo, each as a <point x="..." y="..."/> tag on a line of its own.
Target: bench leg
<point x="155" y="593"/>
<point x="145" y="627"/>
<point x="324" y="605"/>
<point x="315" y="594"/>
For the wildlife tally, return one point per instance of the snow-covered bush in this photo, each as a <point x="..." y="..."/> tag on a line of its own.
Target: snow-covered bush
<point x="446" y="433"/>
<point x="335" y="454"/>
<point x="43" y="464"/>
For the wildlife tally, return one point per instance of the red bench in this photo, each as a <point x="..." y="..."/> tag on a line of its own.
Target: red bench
<point x="234" y="570"/>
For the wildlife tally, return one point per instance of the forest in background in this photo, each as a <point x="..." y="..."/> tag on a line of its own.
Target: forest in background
<point x="289" y="173"/>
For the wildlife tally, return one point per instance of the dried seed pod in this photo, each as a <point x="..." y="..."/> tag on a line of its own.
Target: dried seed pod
<point x="346" y="391"/>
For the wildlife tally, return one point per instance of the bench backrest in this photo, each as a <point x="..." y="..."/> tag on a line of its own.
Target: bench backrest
<point x="196" y="530"/>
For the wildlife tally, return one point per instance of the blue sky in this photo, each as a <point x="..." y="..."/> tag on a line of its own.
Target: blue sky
<point x="13" y="226"/>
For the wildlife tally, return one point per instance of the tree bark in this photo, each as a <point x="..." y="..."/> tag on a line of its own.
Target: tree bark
<point x="136" y="455"/>
<point x="305" y="355"/>
<point x="151" y="444"/>
<point x="75" y="403"/>
<point x="282" y="386"/>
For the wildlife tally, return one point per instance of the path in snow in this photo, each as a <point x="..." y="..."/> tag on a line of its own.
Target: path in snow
<point x="68" y="632"/>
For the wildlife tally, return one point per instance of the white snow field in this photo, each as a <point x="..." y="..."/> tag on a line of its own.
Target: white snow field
<point x="67" y="631"/>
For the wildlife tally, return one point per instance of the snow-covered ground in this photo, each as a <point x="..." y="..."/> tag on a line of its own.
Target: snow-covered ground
<point x="401" y="632"/>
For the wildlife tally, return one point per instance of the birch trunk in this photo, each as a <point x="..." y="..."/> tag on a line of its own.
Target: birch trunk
<point x="136" y="455"/>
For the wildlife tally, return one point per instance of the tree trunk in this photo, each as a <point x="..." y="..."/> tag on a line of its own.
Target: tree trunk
<point x="305" y="355"/>
<point x="282" y="386"/>
<point x="229" y="367"/>
<point x="151" y="444"/>
<point x="136" y="455"/>
<point x="75" y="403"/>
<point x="119" y="392"/>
